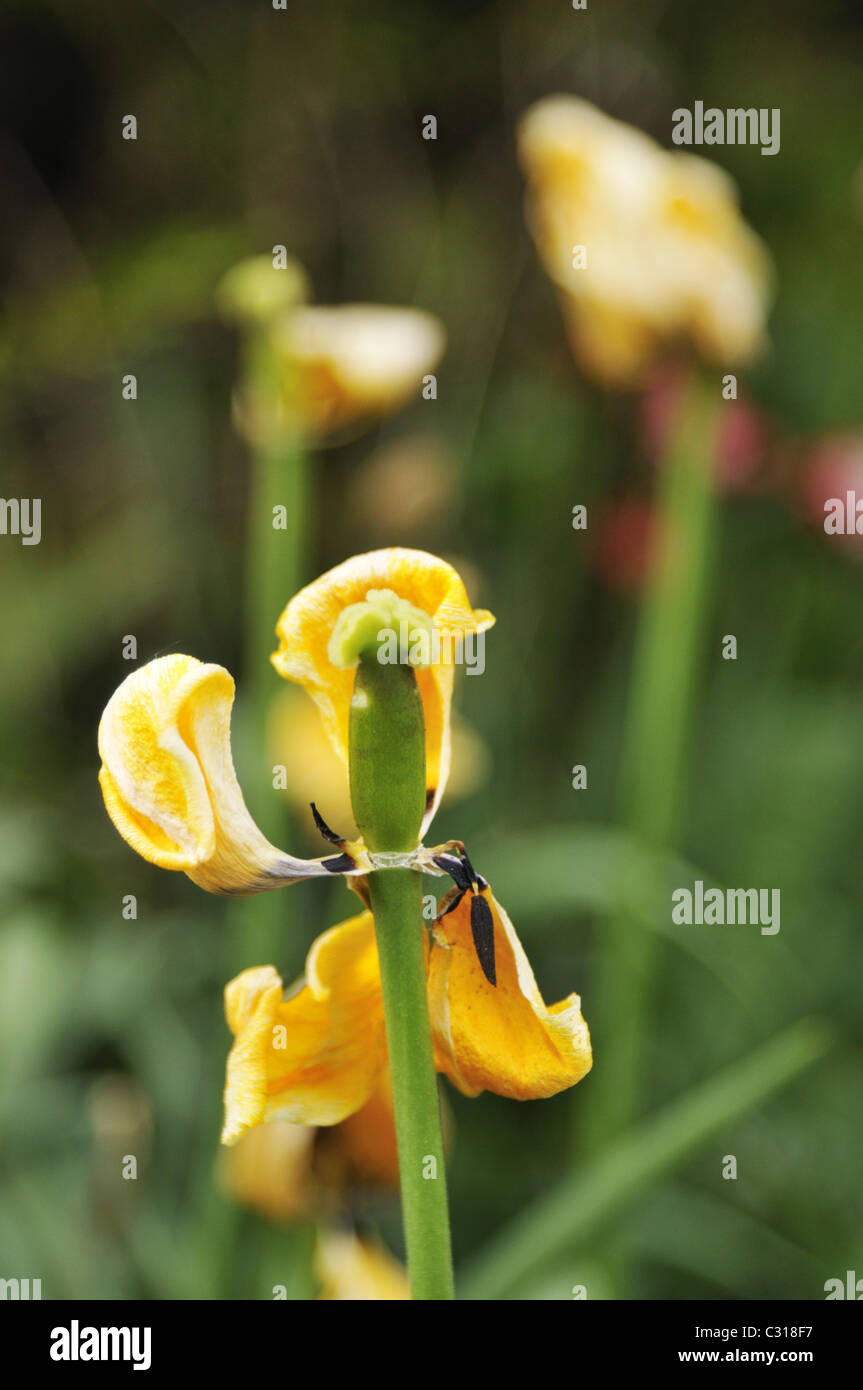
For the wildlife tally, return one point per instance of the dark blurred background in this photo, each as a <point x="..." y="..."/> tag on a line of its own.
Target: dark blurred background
<point x="258" y="127"/>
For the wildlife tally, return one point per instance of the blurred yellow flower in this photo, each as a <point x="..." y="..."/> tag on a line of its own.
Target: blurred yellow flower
<point x="316" y="1055"/>
<point x="169" y="784"/>
<point x="269" y="1170"/>
<point x="306" y="628"/>
<point x="286" y="1171"/>
<point x="344" y="363"/>
<point x="645" y="246"/>
<point x="364" y="1148"/>
<point x="318" y="369"/>
<point x="354" y="1270"/>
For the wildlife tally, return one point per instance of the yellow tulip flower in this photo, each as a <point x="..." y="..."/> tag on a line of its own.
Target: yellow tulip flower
<point x="645" y="246"/>
<point x="344" y="363"/>
<point x="316" y="1055"/>
<point x="429" y="586"/>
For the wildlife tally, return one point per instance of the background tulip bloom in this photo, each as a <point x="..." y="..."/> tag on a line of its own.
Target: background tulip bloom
<point x="644" y="246"/>
<point x="351" y="362"/>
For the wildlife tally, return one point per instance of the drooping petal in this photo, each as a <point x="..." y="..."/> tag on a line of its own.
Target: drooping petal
<point x="499" y="1037"/>
<point x="358" y="1271"/>
<point x="307" y="624"/>
<point x="315" y="1056"/>
<point x="169" y="783"/>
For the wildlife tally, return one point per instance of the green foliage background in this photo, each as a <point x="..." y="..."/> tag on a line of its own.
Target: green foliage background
<point x="258" y="127"/>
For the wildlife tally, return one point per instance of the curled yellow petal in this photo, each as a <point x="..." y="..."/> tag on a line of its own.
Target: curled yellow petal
<point x="314" y="1057"/>
<point x="169" y="783"/>
<point x="644" y="245"/>
<point x="345" y="362"/>
<point x="502" y="1037"/>
<point x="359" y="1271"/>
<point x="307" y="624"/>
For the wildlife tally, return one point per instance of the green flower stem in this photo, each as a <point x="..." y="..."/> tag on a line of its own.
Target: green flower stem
<point x="659" y="716"/>
<point x="387" y="761"/>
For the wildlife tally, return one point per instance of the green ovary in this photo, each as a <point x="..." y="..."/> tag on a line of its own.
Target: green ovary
<point x="384" y="623"/>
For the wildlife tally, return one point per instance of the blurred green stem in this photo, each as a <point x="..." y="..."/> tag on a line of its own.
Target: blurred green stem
<point x="275" y="566"/>
<point x="654" y="744"/>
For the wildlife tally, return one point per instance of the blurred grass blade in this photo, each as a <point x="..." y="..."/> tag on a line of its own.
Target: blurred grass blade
<point x="573" y="1210"/>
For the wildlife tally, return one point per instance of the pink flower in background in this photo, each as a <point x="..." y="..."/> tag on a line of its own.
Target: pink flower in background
<point x="742" y="463"/>
<point x="832" y="469"/>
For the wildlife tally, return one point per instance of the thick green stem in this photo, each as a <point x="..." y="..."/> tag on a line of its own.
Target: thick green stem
<point x="387" y="759"/>
<point x="659" y="717"/>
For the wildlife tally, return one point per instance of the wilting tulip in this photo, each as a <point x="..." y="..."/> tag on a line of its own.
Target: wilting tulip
<point x="644" y="246"/>
<point x="170" y="788"/>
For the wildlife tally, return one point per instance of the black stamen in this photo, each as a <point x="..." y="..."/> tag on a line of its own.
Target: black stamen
<point x="339" y="864"/>
<point x="482" y="930"/>
<point x="469" y="868"/>
<point x="324" y="829"/>
<point x="454" y="868"/>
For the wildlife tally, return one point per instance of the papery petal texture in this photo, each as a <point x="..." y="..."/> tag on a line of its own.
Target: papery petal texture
<point x="315" y="1056"/>
<point x="502" y="1037"/>
<point x="169" y="783"/>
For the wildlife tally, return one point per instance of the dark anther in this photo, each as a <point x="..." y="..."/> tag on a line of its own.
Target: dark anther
<point x="482" y="930"/>
<point x="324" y="829"/>
<point x="339" y="864"/>
<point x="469" y="868"/>
<point x="455" y="868"/>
